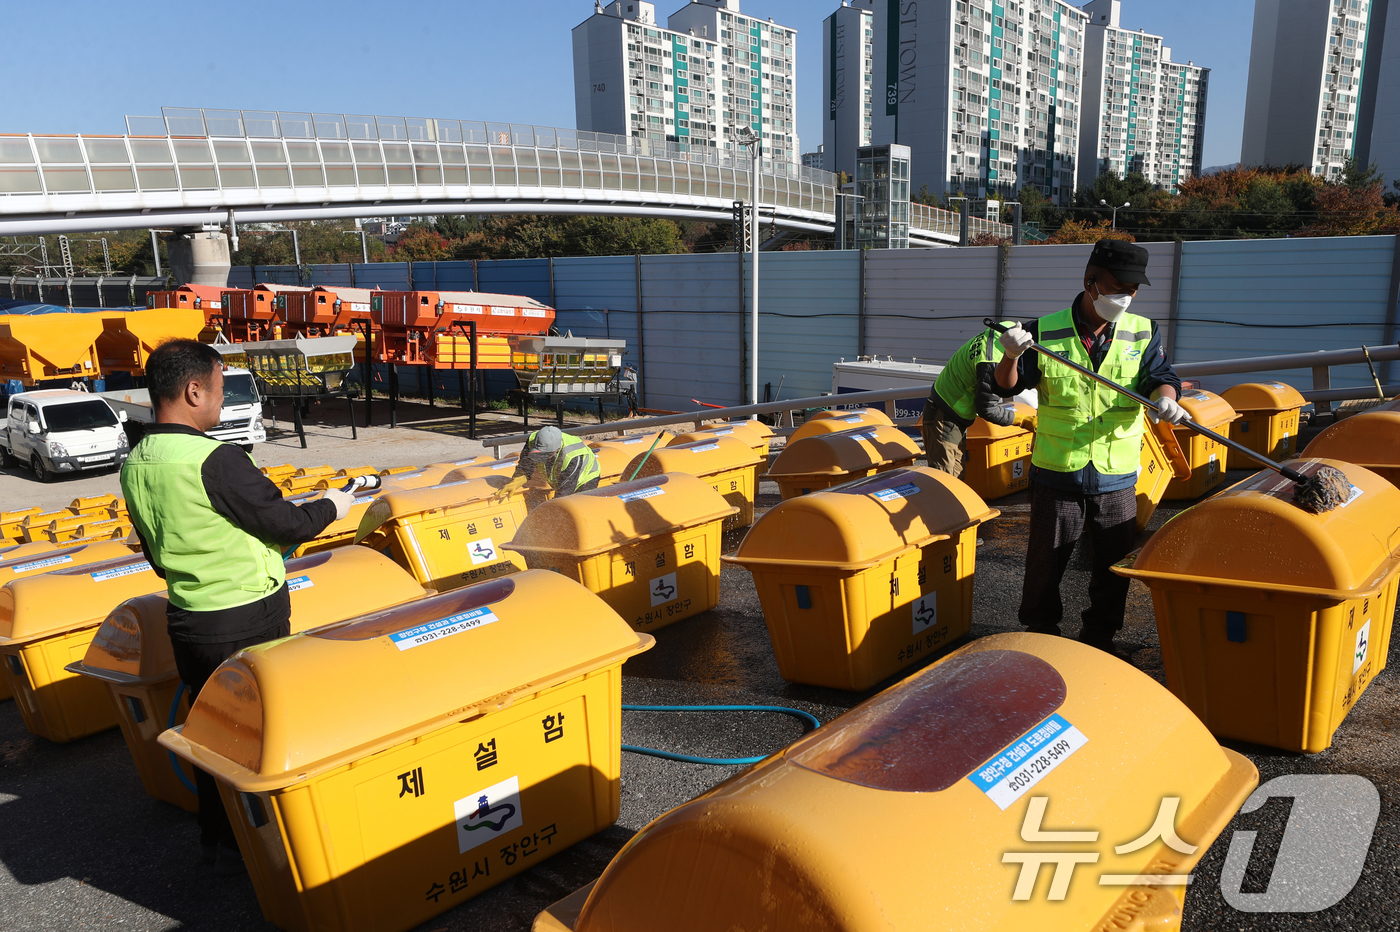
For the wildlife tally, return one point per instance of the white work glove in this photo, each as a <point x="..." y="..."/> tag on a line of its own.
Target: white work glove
<point x="1015" y="341"/>
<point x="343" y="502"/>
<point x="1167" y="410"/>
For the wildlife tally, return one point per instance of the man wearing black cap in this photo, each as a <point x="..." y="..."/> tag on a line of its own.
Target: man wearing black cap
<point x="1088" y="437"/>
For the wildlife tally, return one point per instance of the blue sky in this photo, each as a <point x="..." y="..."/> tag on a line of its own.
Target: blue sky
<point x="468" y="59"/>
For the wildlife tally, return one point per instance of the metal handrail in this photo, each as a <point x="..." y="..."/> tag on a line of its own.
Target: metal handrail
<point x="697" y="418"/>
<point x="1312" y="360"/>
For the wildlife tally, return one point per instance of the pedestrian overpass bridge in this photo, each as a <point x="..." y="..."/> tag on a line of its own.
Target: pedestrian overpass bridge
<point x="215" y="168"/>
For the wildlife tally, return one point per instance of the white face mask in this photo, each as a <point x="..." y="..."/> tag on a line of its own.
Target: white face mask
<point x="1112" y="306"/>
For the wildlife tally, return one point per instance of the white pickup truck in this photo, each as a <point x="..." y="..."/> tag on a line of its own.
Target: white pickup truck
<point x="62" y="432"/>
<point x="240" y="421"/>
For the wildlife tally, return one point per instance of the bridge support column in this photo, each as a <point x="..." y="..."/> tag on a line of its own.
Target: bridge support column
<point x="200" y="258"/>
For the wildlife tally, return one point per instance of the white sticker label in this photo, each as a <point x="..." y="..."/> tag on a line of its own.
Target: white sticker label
<point x="862" y="435"/>
<point x="925" y="612"/>
<point x="119" y="571"/>
<point x="722" y="431"/>
<point x="854" y="420"/>
<point x="663" y="589"/>
<point x="502" y="312"/>
<point x="1355" y="494"/>
<point x="468" y="309"/>
<point x="1026" y="761"/>
<point x="899" y="491"/>
<point x="443" y="627"/>
<point x="359" y="306"/>
<point x="634" y="440"/>
<point x="483" y="551"/>
<point x="297" y="583"/>
<point x="649" y="492"/>
<point x="704" y="447"/>
<point x="216" y="305"/>
<point x="488" y="814"/>
<point x="41" y="564"/>
<point x="1363" y="644"/>
<point x="533" y="312"/>
<point x="505" y="464"/>
<point x="365" y="499"/>
<point x="1018" y="469"/>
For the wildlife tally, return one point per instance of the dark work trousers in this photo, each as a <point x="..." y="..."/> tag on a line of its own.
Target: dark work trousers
<point x="1058" y="520"/>
<point x="196" y="659"/>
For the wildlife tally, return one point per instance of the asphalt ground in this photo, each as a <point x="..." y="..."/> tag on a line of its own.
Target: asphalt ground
<point x="83" y="847"/>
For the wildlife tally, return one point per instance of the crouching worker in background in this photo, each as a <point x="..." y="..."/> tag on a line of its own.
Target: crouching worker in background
<point x="567" y="463"/>
<point x="214" y="528"/>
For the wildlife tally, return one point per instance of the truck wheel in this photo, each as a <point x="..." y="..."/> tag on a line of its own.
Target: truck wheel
<point x="41" y="473"/>
<point x="6" y="460"/>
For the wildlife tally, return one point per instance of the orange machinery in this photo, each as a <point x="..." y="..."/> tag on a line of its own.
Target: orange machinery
<point x="433" y="328"/>
<point x="253" y="314"/>
<point x="210" y="300"/>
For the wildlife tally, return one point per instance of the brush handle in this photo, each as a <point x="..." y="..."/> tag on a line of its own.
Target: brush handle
<point x="1291" y="474"/>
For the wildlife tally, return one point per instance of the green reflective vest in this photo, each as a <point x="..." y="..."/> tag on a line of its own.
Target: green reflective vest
<point x="209" y="562"/>
<point x="1080" y="421"/>
<point x="957" y="383"/>
<point x="573" y="449"/>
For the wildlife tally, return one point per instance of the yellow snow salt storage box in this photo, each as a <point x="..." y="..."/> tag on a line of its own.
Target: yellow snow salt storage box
<point x="308" y="471"/>
<point x="614" y="455"/>
<point x="1205" y="456"/>
<point x="1268" y="421"/>
<point x="998" y="459"/>
<point x="13" y="551"/>
<point x="278" y="473"/>
<point x="649" y="547"/>
<point x="1154" y="474"/>
<point x="861" y="581"/>
<point x="727" y="463"/>
<point x="64" y="528"/>
<point x="1272" y="620"/>
<point x="104" y="529"/>
<point x="476" y="733"/>
<point x="449" y="535"/>
<point x="90" y="504"/>
<point x="47" y="622"/>
<point x="825" y="460"/>
<point x="829" y="422"/>
<point x="1370" y="439"/>
<point x="131" y="659"/>
<point x="420" y="477"/>
<point x="1004" y="758"/>
<point x="12" y="522"/>
<point x="34" y="526"/>
<point x="758" y="435"/>
<point x="482" y="470"/>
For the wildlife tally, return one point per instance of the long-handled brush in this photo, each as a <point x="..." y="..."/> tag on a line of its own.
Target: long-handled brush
<point x="1327" y="488"/>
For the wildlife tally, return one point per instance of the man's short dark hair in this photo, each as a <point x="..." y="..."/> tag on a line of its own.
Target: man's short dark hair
<point x="175" y="364"/>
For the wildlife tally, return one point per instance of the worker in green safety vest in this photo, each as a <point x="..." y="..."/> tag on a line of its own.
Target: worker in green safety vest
<point x="567" y="463"/>
<point x="213" y="527"/>
<point x="965" y="390"/>
<point x="1088" y="437"/>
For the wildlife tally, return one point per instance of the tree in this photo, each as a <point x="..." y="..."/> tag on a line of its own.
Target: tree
<point x="1078" y="231"/>
<point x="420" y="244"/>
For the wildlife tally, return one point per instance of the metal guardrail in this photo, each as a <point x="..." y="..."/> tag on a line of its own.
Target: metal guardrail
<point x="697" y="418"/>
<point x="1322" y="394"/>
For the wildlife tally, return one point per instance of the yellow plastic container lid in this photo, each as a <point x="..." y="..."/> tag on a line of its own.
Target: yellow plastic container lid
<point x="133" y="647"/>
<point x="389" y="676"/>
<point x="959" y="766"/>
<point x="704" y="457"/>
<point x="60" y="557"/>
<point x="830" y="422"/>
<point x="632" y="444"/>
<point x="306" y="471"/>
<point x="71" y="596"/>
<point x="863" y="523"/>
<point x="1263" y="396"/>
<point x="600" y="520"/>
<point x="501" y="467"/>
<point x="843" y="452"/>
<point x="1207" y="409"/>
<point x="354" y="471"/>
<point x="740" y="430"/>
<point x="19" y="551"/>
<point x="1253" y="536"/>
<point x="613" y="460"/>
<point x="983" y="429"/>
<point x="395" y="503"/>
<point x="1370" y="439"/>
<point x="278" y="473"/>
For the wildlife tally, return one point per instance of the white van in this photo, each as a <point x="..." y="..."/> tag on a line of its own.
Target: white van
<point x="60" y="431"/>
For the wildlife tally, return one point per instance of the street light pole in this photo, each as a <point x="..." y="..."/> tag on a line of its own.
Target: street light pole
<point x="1104" y="203"/>
<point x="364" y="248"/>
<point x="755" y="145"/>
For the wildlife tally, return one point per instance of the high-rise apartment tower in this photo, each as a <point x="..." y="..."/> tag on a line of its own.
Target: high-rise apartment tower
<point x="711" y="72"/>
<point x="1306" y="65"/>
<point x="848" y="75"/>
<point x="1143" y="112"/>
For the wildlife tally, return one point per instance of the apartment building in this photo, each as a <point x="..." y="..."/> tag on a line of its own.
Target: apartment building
<point x="1307" y="61"/>
<point x="985" y="93"/>
<point x="700" y="80"/>
<point x="1142" y="112"/>
<point x="848" y="63"/>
